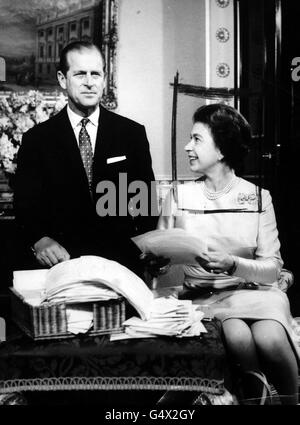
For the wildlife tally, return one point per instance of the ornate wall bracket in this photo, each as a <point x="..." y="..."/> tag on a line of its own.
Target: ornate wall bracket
<point x="109" y="49"/>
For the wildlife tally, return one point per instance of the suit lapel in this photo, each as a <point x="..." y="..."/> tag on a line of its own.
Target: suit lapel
<point x="69" y="147"/>
<point x="103" y="140"/>
<point x="68" y="140"/>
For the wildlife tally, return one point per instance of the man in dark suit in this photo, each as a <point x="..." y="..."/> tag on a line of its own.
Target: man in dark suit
<point x="66" y="161"/>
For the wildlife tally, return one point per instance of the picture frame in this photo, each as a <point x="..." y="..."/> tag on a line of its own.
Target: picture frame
<point x="33" y="33"/>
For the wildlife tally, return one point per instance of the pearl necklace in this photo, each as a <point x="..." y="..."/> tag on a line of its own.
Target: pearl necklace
<point x="212" y="196"/>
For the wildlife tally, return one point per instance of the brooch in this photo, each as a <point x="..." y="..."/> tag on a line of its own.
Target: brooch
<point x="244" y="198"/>
<point x="222" y="3"/>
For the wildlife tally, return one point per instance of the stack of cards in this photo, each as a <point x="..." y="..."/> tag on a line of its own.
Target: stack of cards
<point x="169" y="317"/>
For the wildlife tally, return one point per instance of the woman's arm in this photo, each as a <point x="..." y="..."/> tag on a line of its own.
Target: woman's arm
<point x="266" y="266"/>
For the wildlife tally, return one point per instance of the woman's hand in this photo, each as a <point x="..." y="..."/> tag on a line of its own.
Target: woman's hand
<point x="217" y="262"/>
<point x="154" y="265"/>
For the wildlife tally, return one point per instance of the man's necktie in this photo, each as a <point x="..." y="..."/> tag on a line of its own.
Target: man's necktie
<point x="86" y="150"/>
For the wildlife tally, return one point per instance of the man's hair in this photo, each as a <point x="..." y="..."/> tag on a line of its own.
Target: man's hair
<point x="63" y="65"/>
<point x="230" y="130"/>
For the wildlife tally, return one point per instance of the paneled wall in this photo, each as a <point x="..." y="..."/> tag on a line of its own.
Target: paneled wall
<point x="157" y="38"/>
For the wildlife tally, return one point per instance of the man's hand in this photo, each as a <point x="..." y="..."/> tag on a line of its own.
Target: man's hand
<point x="48" y="252"/>
<point x="216" y="262"/>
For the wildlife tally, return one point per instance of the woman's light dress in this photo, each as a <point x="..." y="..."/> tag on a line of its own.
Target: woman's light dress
<point x="234" y="223"/>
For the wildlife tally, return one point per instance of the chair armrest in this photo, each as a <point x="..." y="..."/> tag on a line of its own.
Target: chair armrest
<point x="286" y="280"/>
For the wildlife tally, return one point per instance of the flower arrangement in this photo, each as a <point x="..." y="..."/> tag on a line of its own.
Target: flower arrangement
<point x="18" y="113"/>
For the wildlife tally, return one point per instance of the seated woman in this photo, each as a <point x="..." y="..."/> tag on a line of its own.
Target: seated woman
<point x="237" y="221"/>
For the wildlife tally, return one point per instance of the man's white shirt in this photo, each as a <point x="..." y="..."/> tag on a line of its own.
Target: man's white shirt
<point x="91" y="127"/>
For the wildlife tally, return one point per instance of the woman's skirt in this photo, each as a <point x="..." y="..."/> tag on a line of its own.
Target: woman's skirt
<point x="265" y="303"/>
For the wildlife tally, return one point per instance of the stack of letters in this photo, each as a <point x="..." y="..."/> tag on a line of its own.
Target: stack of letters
<point x="78" y="283"/>
<point x="169" y="317"/>
<point x="81" y="281"/>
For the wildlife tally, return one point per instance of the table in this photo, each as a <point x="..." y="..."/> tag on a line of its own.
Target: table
<point x="96" y="363"/>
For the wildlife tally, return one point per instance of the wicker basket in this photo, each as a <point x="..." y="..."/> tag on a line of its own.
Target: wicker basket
<point x="49" y="321"/>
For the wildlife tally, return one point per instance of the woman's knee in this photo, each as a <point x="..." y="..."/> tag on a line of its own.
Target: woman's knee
<point x="270" y="337"/>
<point x="237" y="333"/>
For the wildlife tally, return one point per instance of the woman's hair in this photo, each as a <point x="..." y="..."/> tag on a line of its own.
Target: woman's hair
<point x="230" y="130"/>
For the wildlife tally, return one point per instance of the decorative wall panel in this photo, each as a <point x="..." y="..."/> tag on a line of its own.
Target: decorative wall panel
<point x="220" y="44"/>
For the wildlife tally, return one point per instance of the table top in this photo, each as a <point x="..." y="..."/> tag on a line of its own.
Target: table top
<point x="96" y="362"/>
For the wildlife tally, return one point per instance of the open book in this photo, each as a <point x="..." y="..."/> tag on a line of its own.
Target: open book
<point x="179" y="245"/>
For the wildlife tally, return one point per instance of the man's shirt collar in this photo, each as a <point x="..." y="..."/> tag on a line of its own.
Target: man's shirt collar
<point x="75" y="119"/>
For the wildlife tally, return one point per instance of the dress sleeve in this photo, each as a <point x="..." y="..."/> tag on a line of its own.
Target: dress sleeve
<point x="267" y="264"/>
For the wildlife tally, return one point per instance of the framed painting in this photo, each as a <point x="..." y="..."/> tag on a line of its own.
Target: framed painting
<point x="33" y="33"/>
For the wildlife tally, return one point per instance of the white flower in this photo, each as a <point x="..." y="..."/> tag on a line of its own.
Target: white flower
<point x="18" y="114"/>
<point x="7" y="153"/>
<point x="24" y="123"/>
<point x="7" y="149"/>
<point x="60" y="103"/>
<point x="9" y="166"/>
<point x="4" y="122"/>
<point x="18" y="136"/>
<point x="4" y="141"/>
<point x="24" y="108"/>
<point x="41" y="114"/>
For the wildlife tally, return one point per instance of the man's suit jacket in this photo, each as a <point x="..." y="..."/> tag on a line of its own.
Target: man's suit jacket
<point x="51" y="196"/>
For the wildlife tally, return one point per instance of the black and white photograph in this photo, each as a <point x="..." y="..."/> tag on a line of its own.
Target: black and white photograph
<point x="149" y="230"/>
